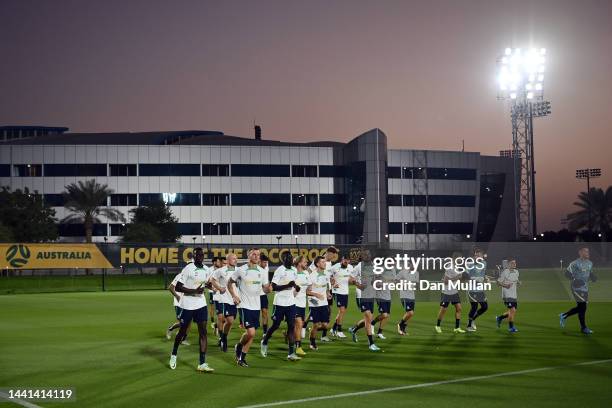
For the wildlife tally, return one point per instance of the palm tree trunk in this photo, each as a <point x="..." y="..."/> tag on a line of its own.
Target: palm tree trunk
<point x="88" y="228"/>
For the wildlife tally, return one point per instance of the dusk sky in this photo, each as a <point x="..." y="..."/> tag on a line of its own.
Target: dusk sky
<point x="422" y="71"/>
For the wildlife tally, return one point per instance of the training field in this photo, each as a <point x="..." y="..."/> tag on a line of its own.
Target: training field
<point x="111" y="348"/>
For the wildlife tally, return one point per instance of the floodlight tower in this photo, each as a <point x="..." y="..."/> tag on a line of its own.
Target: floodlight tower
<point x="521" y="81"/>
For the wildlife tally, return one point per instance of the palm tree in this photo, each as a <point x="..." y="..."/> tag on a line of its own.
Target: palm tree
<point x="595" y="212"/>
<point x="87" y="202"/>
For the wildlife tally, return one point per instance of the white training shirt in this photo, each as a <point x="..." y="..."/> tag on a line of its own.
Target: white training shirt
<point x="222" y="276"/>
<point x="249" y="280"/>
<point x="192" y="277"/>
<point x="387" y="276"/>
<point x="509" y="276"/>
<point x="302" y="279"/>
<point x="341" y="276"/>
<point x="367" y="278"/>
<point x="180" y="294"/>
<point x="408" y="276"/>
<point x="319" y="284"/>
<point x="357" y="276"/>
<point x="267" y="271"/>
<point x="283" y="276"/>
<point x="451" y="274"/>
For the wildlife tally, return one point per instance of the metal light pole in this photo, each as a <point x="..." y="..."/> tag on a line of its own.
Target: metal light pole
<point x="521" y="81"/>
<point x="588" y="174"/>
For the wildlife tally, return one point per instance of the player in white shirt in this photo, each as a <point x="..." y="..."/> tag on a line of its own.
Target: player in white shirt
<point x="331" y="254"/>
<point x="365" y="277"/>
<point x="450" y="296"/>
<point x="317" y="301"/>
<point x="225" y="304"/>
<point x="509" y="280"/>
<point x="192" y="280"/>
<point x="407" y="296"/>
<point x="218" y="262"/>
<point x="383" y="299"/>
<point x="176" y="298"/>
<point x="263" y="262"/>
<point x="342" y="276"/>
<point x="303" y="281"/>
<point x="285" y="288"/>
<point x="245" y="287"/>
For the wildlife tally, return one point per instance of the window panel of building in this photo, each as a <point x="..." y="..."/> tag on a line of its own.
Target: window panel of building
<point x="216" y="228"/>
<point x="337" y="200"/>
<point x="117" y="230"/>
<point x="215" y="199"/>
<point x="215" y="170"/>
<point x="415" y="228"/>
<point x="394" y="172"/>
<point x="122" y="170"/>
<point x="395" y="228"/>
<point x="75" y="170"/>
<point x="304" y="199"/>
<point x="187" y="199"/>
<point x="451" y="227"/>
<point x="5" y="170"/>
<point x="27" y="170"/>
<point x="303" y="228"/>
<point x="263" y="228"/>
<point x="415" y="200"/>
<point x="260" y="170"/>
<point x="175" y="169"/>
<point x="331" y="171"/>
<point x="303" y="171"/>
<point x="189" y="228"/>
<point x="451" y="174"/>
<point x="118" y="200"/>
<point x="261" y="199"/>
<point x="452" y="201"/>
<point x="54" y="200"/>
<point x="332" y="228"/>
<point x="394" y="200"/>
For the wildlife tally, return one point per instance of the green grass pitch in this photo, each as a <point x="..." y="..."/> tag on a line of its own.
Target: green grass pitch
<point x="111" y="348"/>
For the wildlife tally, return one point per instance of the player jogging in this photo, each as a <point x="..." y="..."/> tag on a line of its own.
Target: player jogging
<point x="331" y="253"/>
<point x="342" y="275"/>
<point x="477" y="273"/>
<point x="450" y="295"/>
<point x="245" y="287"/>
<point x="407" y="296"/>
<point x="364" y="276"/>
<point x="285" y="288"/>
<point x="263" y="262"/>
<point x="509" y="280"/>
<point x="317" y="300"/>
<point x="176" y="298"/>
<point x="225" y="305"/>
<point x="580" y="272"/>
<point x="302" y="279"/>
<point x="383" y="299"/>
<point x="193" y="278"/>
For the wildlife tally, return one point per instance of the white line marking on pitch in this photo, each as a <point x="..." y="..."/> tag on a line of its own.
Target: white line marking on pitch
<point x="18" y="401"/>
<point x="423" y="385"/>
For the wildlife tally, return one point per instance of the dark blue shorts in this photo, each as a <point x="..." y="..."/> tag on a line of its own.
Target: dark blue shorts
<point x="330" y="302"/>
<point x="511" y="303"/>
<point x="341" y="300"/>
<point x="229" y="310"/>
<point x="445" y="299"/>
<point x="286" y="313"/>
<point x="320" y="314"/>
<point x="264" y="301"/>
<point x="300" y="312"/>
<point x="358" y="301"/>
<point x="199" y="315"/>
<point x="365" y="305"/>
<point x="250" y="318"/>
<point x="384" y="306"/>
<point x="477" y="297"/>
<point x="408" y="304"/>
<point x="219" y="308"/>
<point x="177" y="311"/>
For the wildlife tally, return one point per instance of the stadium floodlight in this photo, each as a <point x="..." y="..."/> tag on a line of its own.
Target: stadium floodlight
<point x="588" y="174"/>
<point x="520" y="73"/>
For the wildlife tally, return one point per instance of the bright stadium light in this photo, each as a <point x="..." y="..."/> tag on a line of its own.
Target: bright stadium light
<point x="521" y="73"/>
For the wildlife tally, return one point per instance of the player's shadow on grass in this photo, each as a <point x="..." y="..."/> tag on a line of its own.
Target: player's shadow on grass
<point x="156" y="354"/>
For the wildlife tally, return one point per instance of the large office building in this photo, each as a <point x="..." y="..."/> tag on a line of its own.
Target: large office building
<point x="228" y="189"/>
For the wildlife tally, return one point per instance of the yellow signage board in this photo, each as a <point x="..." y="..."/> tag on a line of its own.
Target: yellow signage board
<point x="51" y="256"/>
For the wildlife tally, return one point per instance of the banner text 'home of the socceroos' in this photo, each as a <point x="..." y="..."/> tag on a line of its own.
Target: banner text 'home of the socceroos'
<point x="51" y="256"/>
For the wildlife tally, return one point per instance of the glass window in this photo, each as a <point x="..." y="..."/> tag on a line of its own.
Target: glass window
<point x="451" y="174"/>
<point x="264" y="228"/>
<point x="117" y="230"/>
<point x="333" y="228"/>
<point x="122" y="170"/>
<point x="415" y="228"/>
<point x="188" y="228"/>
<point x="304" y="199"/>
<point x="75" y="170"/>
<point x="303" y="171"/>
<point x="415" y="200"/>
<point x="218" y="170"/>
<point x="54" y="200"/>
<point x="332" y="171"/>
<point x="452" y="201"/>
<point x="261" y="199"/>
<point x="183" y="170"/>
<point x="5" y="170"/>
<point x="394" y="172"/>
<point x="260" y="170"/>
<point x="337" y="200"/>
<point x="123" y="199"/>
<point x="170" y="198"/>
<point x="394" y="200"/>
<point x="395" y="228"/>
<point x="450" y="227"/>
<point x="216" y="228"/>
<point x="27" y="170"/>
<point x="215" y="199"/>
<point x="413" y="172"/>
<point x="304" y="228"/>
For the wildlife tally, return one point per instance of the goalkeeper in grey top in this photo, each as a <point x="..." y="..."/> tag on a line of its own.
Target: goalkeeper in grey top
<point x="580" y="272"/>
